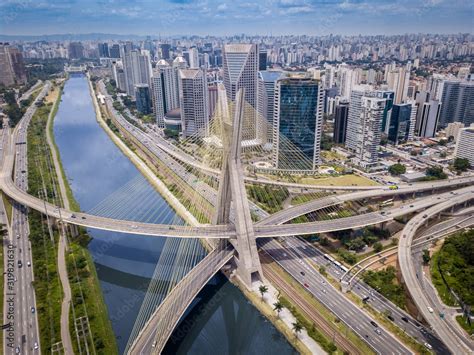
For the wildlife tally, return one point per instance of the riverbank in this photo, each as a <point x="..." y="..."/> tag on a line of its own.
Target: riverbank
<point x="86" y="294"/>
<point x="263" y="308"/>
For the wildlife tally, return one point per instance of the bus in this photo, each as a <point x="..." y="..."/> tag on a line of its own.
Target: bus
<point x="387" y="203"/>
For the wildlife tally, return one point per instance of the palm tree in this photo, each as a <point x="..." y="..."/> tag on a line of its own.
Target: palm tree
<point x="297" y="327"/>
<point x="263" y="289"/>
<point x="278" y="306"/>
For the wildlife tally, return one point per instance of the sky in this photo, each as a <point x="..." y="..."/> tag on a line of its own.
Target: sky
<point x="227" y="17"/>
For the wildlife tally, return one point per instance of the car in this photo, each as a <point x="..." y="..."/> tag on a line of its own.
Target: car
<point x="17" y="350"/>
<point x="306" y="285"/>
<point x="430" y="310"/>
<point x="73" y="216"/>
<point x="411" y="205"/>
<point x="425" y="216"/>
<point x="32" y="309"/>
<point x="83" y="217"/>
<point x="391" y="318"/>
<point x="154" y="344"/>
<point x="134" y="226"/>
<point x="377" y="330"/>
<point x="365" y="299"/>
<point x="324" y="290"/>
<point x="428" y="346"/>
<point x="302" y="273"/>
<point x="28" y="264"/>
<point x="405" y="319"/>
<point x="20" y="264"/>
<point x="36" y="347"/>
<point x="373" y="323"/>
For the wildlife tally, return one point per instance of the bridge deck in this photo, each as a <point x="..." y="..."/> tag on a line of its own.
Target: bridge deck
<point x="159" y="328"/>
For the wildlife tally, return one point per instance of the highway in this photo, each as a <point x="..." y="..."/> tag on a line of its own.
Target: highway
<point x="20" y="295"/>
<point x="452" y="336"/>
<point x="358" y="320"/>
<point x="378" y="302"/>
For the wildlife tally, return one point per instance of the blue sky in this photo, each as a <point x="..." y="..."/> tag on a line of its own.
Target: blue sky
<point x="201" y="17"/>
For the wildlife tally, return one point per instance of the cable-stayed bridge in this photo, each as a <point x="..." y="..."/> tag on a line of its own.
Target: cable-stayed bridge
<point x="225" y="199"/>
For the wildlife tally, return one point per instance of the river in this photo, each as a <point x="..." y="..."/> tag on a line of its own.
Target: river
<point x="220" y="320"/>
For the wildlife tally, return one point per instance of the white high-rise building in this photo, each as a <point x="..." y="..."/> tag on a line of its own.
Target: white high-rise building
<point x="158" y="98"/>
<point x="453" y="129"/>
<point x="364" y="125"/>
<point x="465" y="145"/>
<point x="137" y="68"/>
<point x="193" y="58"/>
<point x="194" y="103"/>
<point x="398" y="81"/>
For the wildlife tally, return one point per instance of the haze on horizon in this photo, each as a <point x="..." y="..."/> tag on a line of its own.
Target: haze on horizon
<point x="266" y="17"/>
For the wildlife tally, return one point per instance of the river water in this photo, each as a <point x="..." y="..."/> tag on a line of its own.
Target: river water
<point x="220" y="320"/>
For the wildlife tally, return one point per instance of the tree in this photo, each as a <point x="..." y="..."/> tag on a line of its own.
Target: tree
<point x="426" y="256"/>
<point x="435" y="173"/>
<point x="397" y="169"/>
<point x="297" y="327"/>
<point x="278" y="307"/>
<point x="378" y="247"/>
<point x="322" y="270"/>
<point x="263" y="289"/>
<point x="461" y="164"/>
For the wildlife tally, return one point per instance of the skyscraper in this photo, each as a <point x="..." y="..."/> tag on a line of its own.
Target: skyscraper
<point x="103" y="50"/>
<point x="137" y="68"/>
<point x="12" y="68"/>
<point x="193" y="58"/>
<point x="158" y="98"/>
<point x="193" y="97"/>
<point x="165" y="51"/>
<point x="401" y="127"/>
<point x="458" y="103"/>
<point x="269" y="79"/>
<point x="142" y="97"/>
<point x="398" y="80"/>
<point x="241" y="72"/>
<point x="364" y="125"/>
<point x="114" y="51"/>
<point x="340" y="122"/>
<point x="428" y="118"/>
<point x="297" y="123"/>
<point x="389" y="97"/>
<point x="76" y="50"/>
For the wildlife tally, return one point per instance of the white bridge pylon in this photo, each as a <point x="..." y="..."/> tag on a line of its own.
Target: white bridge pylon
<point x="232" y="191"/>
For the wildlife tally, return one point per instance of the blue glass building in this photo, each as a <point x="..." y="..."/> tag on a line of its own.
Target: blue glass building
<point x="298" y="122"/>
<point x="399" y="127"/>
<point x="143" y="99"/>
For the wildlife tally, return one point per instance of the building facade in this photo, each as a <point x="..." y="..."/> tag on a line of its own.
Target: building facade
<point x="458" y="103"/>
<point x="298" y="116"/>
<point x="364" y="126"/>
<point x="465" y="145"/>
<point x="194" y="102"/>
<point x="340" y="122"/>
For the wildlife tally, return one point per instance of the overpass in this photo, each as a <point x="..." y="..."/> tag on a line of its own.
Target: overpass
<point x="456" y="341"/>
<point x="267" y="228"/>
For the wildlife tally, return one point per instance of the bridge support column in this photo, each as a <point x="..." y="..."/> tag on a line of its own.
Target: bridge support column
<point x="232" y="189"/>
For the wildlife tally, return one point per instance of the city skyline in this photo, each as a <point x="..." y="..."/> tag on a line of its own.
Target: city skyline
<point x="203" y="17"/>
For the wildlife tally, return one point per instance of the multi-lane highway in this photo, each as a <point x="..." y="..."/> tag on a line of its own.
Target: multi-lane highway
<point x="23" y="334"/>
<point x="358" y="320"/>
<point x="452" y="336"/>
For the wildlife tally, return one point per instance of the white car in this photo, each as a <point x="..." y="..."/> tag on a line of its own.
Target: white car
<point x="430" y="309"/>
<point x="36" y="347"/>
